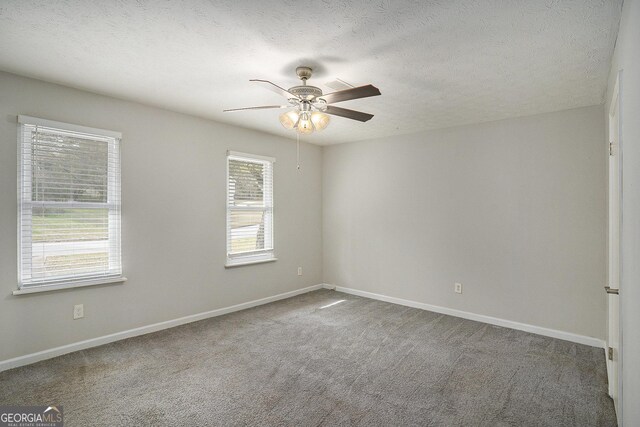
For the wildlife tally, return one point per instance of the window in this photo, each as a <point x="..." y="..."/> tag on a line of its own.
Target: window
<point x="249" y="209"/>
<point x="69" y="204"/>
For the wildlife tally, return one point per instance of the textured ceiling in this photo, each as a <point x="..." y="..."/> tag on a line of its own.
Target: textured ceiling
<point x="437" y="63"/>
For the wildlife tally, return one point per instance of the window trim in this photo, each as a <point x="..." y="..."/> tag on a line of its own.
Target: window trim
<point x="252" y="257"/>
<point x="24" y="165"/>
<point x="70" y="284"/>
<point x="29" y="120"/>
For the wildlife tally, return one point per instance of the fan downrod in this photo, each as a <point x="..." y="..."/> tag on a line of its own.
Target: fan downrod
<point x="304" y="92"/>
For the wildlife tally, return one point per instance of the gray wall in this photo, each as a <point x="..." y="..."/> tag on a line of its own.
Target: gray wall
<point x="627" y="58"/>
<point x="515" y="210"/>
<point x="173" y="188"/>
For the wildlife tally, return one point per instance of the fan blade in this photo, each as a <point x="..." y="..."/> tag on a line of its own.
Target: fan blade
<point x="349" y="114"/>
<point x="275" y="88"/>
<point x="264" y="107"/>
<point x="355" y="93"/>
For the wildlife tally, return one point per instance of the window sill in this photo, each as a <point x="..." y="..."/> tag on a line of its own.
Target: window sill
<point x="247" y="262"/>
<point x="68" y="285"/>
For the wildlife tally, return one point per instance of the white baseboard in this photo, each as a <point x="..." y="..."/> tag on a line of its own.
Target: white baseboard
<point x="553" y="333"/>
<point x="94" y="342"/>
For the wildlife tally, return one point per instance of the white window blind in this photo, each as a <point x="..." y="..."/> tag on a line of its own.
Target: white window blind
<point x="249" y="208"/>
<point x="69" y="203"/>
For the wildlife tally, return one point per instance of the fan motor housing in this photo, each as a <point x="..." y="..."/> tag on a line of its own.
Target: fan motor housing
<point x="306" y="92"/>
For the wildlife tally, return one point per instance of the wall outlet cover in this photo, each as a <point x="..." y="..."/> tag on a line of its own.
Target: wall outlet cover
<point x="457" y="287"/>
<point x="78" y="311"/>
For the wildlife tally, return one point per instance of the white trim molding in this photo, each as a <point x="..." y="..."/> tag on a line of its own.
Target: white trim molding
<point x="239" y="155"/>
<point x="106" y="339"/>
<point x="244" y="261"/>
<point x="68" y="285"/>
<point x="539" y="330"/>
<point x="66" y="126"/>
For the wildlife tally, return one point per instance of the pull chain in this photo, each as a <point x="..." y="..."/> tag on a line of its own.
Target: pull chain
<point x="298" y="150"/>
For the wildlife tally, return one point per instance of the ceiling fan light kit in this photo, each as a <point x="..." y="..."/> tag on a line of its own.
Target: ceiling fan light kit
<point x="303" y="121"/>
<point x="311" y="108"/>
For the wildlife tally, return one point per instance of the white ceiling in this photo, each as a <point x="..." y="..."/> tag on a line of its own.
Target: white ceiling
<point x="437" y="63"/>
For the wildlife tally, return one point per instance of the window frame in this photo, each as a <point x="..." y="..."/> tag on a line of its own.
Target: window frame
<point x="26" y="283"/>
<point x="256" y="256"/>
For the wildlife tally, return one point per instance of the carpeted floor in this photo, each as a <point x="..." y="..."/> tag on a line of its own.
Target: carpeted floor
<point x="306" y="362"/>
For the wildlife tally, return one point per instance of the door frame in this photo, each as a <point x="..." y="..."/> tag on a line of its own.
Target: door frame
<point x="616" y="101"/>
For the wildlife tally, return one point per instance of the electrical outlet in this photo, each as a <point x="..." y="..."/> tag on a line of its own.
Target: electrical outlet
<point x="78" y="311"/>
<point x="299" y="271"/>
<point x="457" y="287"/>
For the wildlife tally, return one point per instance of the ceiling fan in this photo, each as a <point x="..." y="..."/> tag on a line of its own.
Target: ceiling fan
<point x="310" y="106"/>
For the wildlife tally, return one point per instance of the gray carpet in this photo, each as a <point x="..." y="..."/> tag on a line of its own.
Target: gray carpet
<point x="359" y="362"/>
